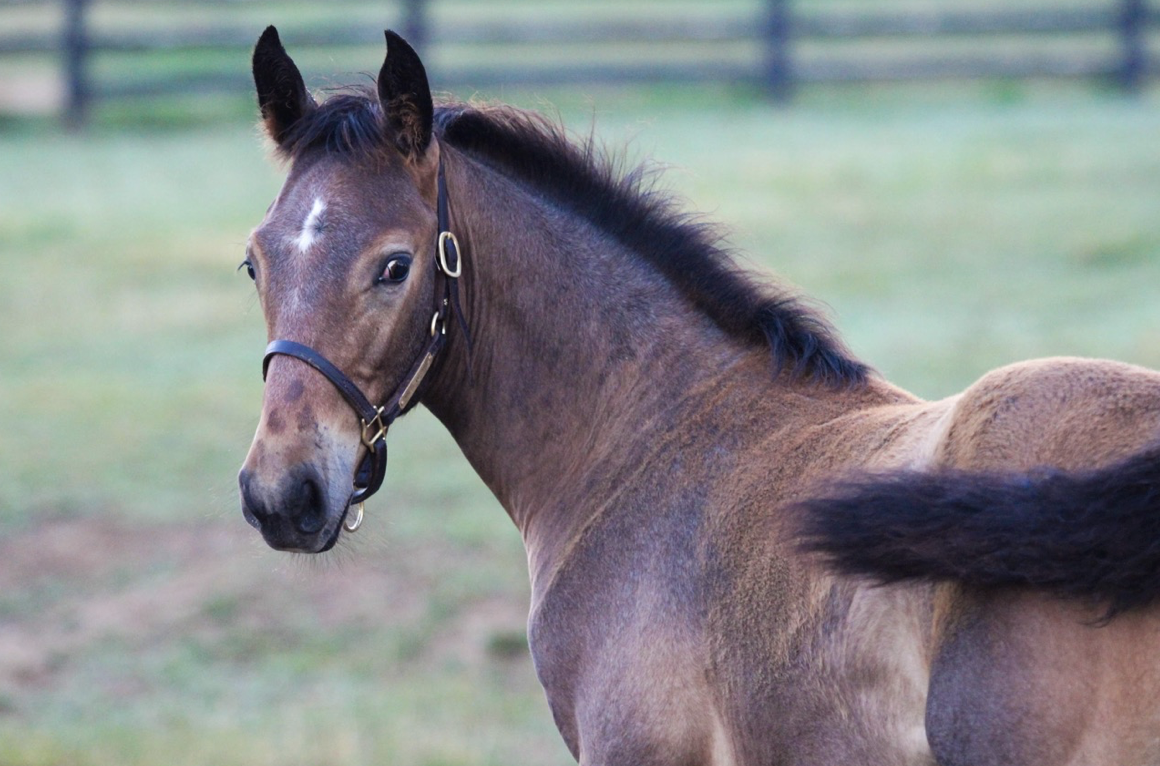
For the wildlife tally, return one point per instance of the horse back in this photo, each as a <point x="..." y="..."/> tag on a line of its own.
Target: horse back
<point x="1059" y="412"/>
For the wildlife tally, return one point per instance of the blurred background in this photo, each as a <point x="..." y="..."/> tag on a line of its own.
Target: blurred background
<point x="963" y="183"/>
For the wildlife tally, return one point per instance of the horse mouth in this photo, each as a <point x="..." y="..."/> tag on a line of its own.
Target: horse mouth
<point x="339" y="527"/>
<point x="334" y="535"/>
<point x="280" y="537"/>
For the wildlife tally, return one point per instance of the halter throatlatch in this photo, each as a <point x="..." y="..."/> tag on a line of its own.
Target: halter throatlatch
<point x="377" y="420"/>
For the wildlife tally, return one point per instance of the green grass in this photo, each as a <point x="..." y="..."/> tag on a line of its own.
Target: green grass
<point x="948" y="230"/>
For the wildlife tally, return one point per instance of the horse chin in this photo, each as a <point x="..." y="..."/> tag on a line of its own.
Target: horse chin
<point x="335" y="533"/>
<point x="280" y="538"/>
<point x="328" y="539"/>
<point x="333" y="539"/>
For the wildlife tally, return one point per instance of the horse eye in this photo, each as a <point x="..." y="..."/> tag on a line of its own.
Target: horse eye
<point x="249" y="267"/>
<point x="397" y="269"/>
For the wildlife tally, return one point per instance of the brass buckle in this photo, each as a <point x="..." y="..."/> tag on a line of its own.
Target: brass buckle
<point x="442" y="255"/>
<point x="381" y="433"/>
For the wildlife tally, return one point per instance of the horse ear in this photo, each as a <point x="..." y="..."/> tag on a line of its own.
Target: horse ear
<point x="405" y="97"/>
<point x="282" y="94"/>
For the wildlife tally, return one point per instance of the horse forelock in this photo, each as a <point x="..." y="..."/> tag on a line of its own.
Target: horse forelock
<point x="624" y="200"/>
<point x="346" y="123"/>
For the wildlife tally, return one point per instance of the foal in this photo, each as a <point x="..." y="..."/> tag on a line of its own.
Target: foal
<point x="607" y="370"/>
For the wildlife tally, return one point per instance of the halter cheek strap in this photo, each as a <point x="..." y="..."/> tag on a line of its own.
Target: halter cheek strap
<point x="377" y="420"/>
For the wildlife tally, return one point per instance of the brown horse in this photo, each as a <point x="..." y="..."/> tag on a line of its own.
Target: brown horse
<point x="745" y="547"/>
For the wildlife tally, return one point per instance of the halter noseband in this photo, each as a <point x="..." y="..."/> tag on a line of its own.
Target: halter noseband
<point x="376" y="420"/>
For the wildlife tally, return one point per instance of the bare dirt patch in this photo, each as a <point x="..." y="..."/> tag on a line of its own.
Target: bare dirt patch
<point x="68" y="585"/>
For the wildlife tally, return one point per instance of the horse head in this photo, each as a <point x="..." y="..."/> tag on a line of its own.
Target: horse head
<point x="343" y="266"/>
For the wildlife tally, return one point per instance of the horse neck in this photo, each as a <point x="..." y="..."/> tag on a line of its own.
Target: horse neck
<point x="582" y="357"/>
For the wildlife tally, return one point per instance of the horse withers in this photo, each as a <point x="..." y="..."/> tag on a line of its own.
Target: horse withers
<point x="744" y="546"/>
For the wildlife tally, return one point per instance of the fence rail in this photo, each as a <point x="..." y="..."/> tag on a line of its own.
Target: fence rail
<point x="777" y="29"/>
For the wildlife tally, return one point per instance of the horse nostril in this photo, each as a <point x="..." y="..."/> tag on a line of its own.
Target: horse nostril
<point x="311" y="517"/>
<point x="253" y="509"/>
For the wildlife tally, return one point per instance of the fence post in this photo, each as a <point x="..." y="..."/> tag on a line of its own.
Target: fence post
<point x="74" y="54"/>
<point x="779" y="84"/>
<point x="415" y="23"/>
<point x="1133" y="62"/>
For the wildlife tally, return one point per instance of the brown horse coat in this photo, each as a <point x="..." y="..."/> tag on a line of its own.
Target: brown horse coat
<point x="620" y="400"/>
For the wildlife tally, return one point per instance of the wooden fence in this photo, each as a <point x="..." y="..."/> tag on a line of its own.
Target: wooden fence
<point x="778" y="35"/>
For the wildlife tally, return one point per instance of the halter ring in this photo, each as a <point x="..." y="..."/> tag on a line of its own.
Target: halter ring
<point x="351" y="526"/>
<point x="442" y="255"/>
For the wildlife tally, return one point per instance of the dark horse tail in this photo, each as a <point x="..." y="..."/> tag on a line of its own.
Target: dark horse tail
<point x="1092" y="534"/>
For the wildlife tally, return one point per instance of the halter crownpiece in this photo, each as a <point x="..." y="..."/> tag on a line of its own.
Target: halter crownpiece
<point x="377" y="420"/>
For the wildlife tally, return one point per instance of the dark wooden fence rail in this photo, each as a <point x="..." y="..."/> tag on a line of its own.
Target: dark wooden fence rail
<point x="780" y="27"/>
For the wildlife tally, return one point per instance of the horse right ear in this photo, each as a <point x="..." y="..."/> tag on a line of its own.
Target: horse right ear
<point x="282" y="94"/>
<point x="405" y="97"/>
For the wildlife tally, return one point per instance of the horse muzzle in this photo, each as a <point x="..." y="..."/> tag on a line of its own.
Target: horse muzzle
<point x="295" y="513"/>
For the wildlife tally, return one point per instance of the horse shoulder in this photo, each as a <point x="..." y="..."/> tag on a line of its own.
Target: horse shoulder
<point x="617" y="640"/>
<point x="1060" y="412"/>
<point x="828" y="671"/>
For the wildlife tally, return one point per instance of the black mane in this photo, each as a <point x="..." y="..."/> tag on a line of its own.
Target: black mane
<point x="625" y="203"/>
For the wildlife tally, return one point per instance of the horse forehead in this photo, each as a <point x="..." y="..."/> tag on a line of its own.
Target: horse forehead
<point x="329" y="198"/>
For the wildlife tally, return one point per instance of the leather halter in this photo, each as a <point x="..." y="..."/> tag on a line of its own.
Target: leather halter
<point x="376" y="420"/>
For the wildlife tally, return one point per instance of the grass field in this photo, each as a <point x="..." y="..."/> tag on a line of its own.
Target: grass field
<point x="949" y="229"/>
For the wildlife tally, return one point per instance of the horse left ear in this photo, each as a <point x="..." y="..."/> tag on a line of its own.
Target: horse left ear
<point x="282" y="94"/>
<point x="406" y="97"/>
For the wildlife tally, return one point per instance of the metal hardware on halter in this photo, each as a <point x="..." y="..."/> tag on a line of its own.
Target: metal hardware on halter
<point x="381" y="433"/>
<point x="351" y="526"/>
<point x="441" y="252"/>
<point x="417" y="379"/>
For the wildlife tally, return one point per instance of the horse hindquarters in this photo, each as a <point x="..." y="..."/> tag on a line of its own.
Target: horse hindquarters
<point x="1030" y="666"/>
<point x="1048" y="631"/>
<point x="1022" y="678"/>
